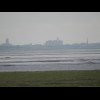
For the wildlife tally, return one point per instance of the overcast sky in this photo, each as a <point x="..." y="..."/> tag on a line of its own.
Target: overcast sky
<point x="37" y="27"/>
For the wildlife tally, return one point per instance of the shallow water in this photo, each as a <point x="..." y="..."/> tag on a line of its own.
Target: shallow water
<point x="44" y="60"/>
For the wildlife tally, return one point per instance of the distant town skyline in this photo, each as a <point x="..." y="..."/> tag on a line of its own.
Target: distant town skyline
<point x="50" y="44"/>
<point x="55" y="42"/>
<point x="38" y="27"/>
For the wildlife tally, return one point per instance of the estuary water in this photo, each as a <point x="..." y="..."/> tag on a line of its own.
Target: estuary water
<point x="48" y="60"/>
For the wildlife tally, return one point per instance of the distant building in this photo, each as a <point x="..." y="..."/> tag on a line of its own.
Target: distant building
<point x="6" y="43"/>
<point x="87" y="41"/>
<point x="56" y="42"/>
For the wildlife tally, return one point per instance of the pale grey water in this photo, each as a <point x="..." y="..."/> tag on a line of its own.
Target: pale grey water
<point x="46" y="60"/>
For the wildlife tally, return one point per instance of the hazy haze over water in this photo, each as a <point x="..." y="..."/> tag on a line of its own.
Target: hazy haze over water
<point x="37" y="27"/>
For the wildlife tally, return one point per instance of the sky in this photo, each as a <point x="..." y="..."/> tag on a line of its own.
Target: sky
<point x="38" y="27"/>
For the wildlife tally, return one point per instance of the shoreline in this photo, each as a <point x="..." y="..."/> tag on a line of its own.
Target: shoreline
<point x="58" y="67"/>
<point x="50" y="70"/>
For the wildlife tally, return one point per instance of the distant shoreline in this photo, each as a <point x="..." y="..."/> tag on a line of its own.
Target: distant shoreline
<point x="51" y="44"/>
<point x="45" y="48"/>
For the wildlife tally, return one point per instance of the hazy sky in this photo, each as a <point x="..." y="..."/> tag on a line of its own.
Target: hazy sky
<point x="37" y="27"/>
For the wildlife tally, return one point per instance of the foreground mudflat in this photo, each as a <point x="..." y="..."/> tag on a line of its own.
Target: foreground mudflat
<point x="51" y="79"/>
<point x="12" y="60"/>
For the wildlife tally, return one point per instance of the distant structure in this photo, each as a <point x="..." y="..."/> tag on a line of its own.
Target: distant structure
<point x="50" y="44"/>
<point x="87" y="41"/>
<point x="56" y="42"/>
<point x="6" y="43"/>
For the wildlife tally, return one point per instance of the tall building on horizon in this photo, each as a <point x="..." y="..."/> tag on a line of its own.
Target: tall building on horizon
<point x="56" y="42"/>
<point x="6" y="43"/>
<point x="87" y="41"/>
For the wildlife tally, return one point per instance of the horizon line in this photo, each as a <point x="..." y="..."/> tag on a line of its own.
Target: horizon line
<point x="7" y="40"/>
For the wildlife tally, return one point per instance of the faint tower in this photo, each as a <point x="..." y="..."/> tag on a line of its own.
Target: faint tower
<point x="87" y="41"/>
<point x="7" y="42"/>
<point x="57" y="39"/>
